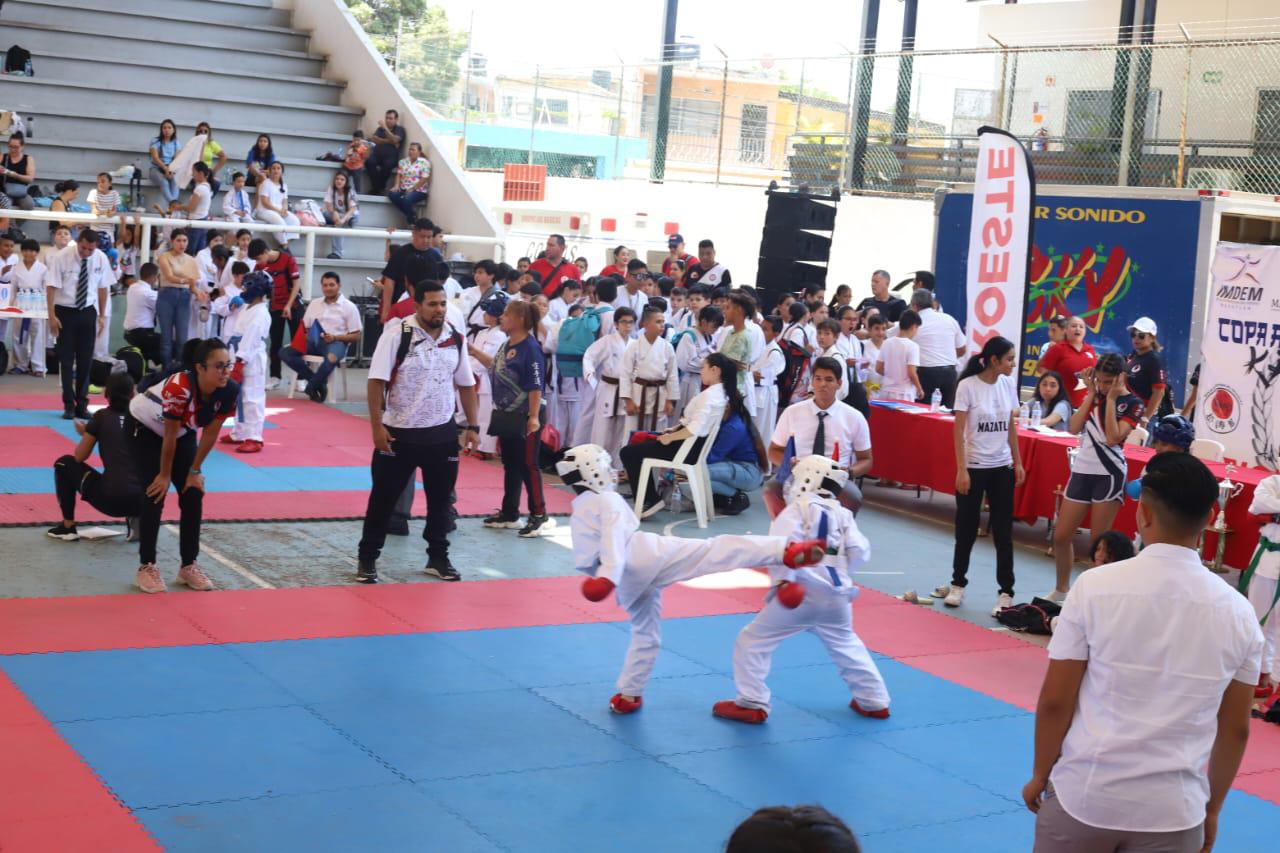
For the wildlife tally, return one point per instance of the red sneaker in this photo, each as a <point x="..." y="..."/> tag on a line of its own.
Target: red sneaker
<point x="596" y="589"/>
<point x="619" y="704"/>
<point x="881" y="714"/>
<point x="249" y="445"/>
<point x="804" y="553"/>
<point x="230" y="439"/>
<point x="730" y="710"/>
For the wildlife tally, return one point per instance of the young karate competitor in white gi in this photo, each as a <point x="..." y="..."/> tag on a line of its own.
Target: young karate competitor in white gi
<point x="825" y="609"/>
<point x="649" y="383"/>
<point x="609" y="546"/>
<point x="253" y="329"/>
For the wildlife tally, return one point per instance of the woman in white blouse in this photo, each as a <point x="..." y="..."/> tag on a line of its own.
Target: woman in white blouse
<point x="273" y="203"/>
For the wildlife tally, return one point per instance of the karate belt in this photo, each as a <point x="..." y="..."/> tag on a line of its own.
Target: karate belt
<point x="617" y="391"/>
<point x="645" y="386"/>
<point x="1264" y="545"/>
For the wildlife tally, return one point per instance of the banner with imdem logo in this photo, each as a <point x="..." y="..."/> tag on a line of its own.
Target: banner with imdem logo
<point x="1239" y="390"/>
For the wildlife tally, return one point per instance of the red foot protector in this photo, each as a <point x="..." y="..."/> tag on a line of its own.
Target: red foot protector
<point x="878" y="714"/>
<point x="619" y="704"/>
<point x="730" y="710"/>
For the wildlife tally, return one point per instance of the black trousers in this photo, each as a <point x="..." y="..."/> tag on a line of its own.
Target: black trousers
<point x="633" y="456"/>
<point x="941" y="378"/>
<point x="521" y="467"/>
<point x="997" y="485"/>
<point x="379" y="172"/>
<point x="71" y="478"/>
<point x="146" y="451"/>
<point x="75" y="353"/>
<point x="391" y="472"/>
<point x="278" y="323"/>
<point x="147" y="341"/>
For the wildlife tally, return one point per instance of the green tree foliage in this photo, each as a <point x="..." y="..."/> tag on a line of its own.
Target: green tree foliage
<point x="426" y="60"/>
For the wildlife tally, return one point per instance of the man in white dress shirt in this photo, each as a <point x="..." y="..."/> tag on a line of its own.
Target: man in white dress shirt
<point x="1144" y="712"/>
<point x="941" y="342"/>
<point x="77" y="287"/>
<point x="339" y="327"/>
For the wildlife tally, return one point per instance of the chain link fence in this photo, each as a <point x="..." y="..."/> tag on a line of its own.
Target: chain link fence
<point x="1201" y="114"/>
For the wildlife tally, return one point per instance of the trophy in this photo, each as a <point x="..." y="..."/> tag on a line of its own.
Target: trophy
<point x="1072" y="453"/>
<point x="1226" y="491"/>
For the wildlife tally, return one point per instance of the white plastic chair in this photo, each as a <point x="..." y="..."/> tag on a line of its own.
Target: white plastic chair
<point x="1208" y="449"/>
<point x="1137" y="436"/>
<point x="314" y="362"/>
<point x="696" y="473"/>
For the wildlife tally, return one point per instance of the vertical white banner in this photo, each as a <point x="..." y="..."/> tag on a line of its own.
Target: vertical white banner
<point x="999" y="240"/>
<point x="1238" y="396"/>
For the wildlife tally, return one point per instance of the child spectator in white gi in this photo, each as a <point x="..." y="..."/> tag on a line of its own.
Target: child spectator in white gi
<point x="253" y="330"/>
<point x="764" y="373"/>
<point x="1260" y="582"/>
<point x="824" y="605"/>
<point x="236" y="204"/>
<point x="30" y="336"/>
<point x="692" y="345"/>
<point x="483" y="346"/>
<point x="609" y="546"/>
<point x="647" y="376"/>
<point x="601" y="365"/>
<point x="227" y="307"/>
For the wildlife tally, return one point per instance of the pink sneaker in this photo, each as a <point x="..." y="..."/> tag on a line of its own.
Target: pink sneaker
<point x="149" y="580"/>
<point x="194" y="577"/>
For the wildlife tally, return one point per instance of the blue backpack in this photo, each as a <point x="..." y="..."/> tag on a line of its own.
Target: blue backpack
<point x="576" y="335"/>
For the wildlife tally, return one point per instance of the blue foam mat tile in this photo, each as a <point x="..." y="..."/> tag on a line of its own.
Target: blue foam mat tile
<point x="51" y="418"/>
<point x="560" y="654"/>
<point x="136" y="682"/>
<point x="1012" y="831"/>
<point x="626" y="806"/>
<point x="916" y="699"/>
<point x="467" y="734"/>
<point x="26" y="481"/>
<point x="676" y="716"/>
<point x="869" y="785"/>
<point x="993" y="754"/>
<point x="1246" y="823"/>
<point x="397" y="817"/>
<point x="709" y="640"/>
<point x="394" y="668"/>
<point x="195" y="758"/>
<point x="345" y="478"/>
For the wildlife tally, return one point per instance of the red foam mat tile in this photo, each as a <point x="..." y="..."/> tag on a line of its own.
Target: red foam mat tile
<point x="902" y="630"/>
<point x="1265" y="785"/>
<point x="1263" y="752"/>
<point x="479" y="605"/>
<point x="119" y="833"/>
<point x="36" y="402"/>
<point x="260" y="615"/>
<point x="84" y="623"/>
<point x="26" y="446"/>
<point x="1010" y="675"/>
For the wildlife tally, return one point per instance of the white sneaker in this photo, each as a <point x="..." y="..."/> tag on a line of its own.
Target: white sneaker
<point x="1004" y="600"/>
<point x="954" y="596"/>
<point x="1055" y="596"/>
<point x="302" y="386"/>
<point x="942" y="591"/>
<point x="272" y="384"/>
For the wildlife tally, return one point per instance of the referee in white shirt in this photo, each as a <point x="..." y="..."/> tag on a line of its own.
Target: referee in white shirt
<point x="1144" y="713"/>
<point x="941" y="342"/>
<point x="417" y="429"/>
<point x="77" y="288"/>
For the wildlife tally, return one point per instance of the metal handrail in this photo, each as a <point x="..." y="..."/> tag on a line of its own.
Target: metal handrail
<point x="309" y="232"/>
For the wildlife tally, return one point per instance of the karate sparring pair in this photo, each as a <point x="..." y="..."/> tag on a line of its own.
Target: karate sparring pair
<point x="637" y="565"/>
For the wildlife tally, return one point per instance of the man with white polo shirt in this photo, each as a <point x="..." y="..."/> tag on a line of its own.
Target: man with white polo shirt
<point x="1144" y="713"/>
<point x="824" y="426"/>
<point x="332" y="324"/>
<point x="941" y="342"/>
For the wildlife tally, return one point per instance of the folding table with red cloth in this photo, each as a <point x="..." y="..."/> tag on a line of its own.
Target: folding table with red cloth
<point x="912" y="445"/>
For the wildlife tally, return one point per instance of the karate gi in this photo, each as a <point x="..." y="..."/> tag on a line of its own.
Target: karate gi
<point x="608" y="423"/>
<point x="770" y="363"/>
<point x="565" y="397"/>
<point x="608" y="543"/>
<point x="645" y="363"/>
<point x="692" y="347"/>
<point x="488" y="340"/>
<point x="30" y="337"/>
<point x="826" y="610"/>
<point x="1262" y="585"/>
<point x="254" y="329"/>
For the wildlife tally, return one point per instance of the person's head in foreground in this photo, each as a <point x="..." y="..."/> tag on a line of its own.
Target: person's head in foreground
<point x="1178" y="494"/>
<point x="1110" y="547"/>
<point x="792" y="829"/>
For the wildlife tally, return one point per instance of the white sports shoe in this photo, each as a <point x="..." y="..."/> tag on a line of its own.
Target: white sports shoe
<point x="1055" y="596"/>
<point x="954" y="596"/>
<point x="942" y="591"/>
<point x="1004" y="600"/>
<point x="272" y="384"/>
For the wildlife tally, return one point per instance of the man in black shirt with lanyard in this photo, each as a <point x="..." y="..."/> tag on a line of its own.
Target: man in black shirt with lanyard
<point x="890" y="307"/>
<point x="415" y="258"/>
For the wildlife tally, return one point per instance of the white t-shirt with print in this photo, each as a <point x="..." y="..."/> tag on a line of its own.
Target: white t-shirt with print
<point x="989" y="408"/>
<point x="423" y="392"/>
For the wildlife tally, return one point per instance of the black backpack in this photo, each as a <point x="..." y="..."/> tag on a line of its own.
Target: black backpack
<point x="1033" y="618"/>
<point x="17" y="58"/>
<point x="794" y="374"/>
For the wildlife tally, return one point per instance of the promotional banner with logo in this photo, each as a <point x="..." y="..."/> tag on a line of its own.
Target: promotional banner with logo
<point x="1108" y="261"/>
<point x="999" y="239"/>
<point x="1240" y="375"/>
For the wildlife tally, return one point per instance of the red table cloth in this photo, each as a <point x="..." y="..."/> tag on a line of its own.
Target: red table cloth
<point x="913" y="445"/>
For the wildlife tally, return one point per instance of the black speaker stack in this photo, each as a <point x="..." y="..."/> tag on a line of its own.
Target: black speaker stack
<point x="796" y="243"/>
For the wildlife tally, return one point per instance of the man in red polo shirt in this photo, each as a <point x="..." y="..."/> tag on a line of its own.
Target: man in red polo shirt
<point x="286" y="283"/>
<point x="675" y="244"/>
<point x="555" y="267"/>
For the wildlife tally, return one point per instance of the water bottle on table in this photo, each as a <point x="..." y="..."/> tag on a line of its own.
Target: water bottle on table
<point x="935" y="400"/>
<point x="1036" y="414"/>
<point x="1024" y="416"/>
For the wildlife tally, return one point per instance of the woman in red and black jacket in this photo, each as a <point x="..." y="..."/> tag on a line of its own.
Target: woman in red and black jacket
<point x="1145" y="369"/>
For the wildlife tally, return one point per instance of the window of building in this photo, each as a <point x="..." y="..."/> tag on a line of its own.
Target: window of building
<point x="689" y="116"/>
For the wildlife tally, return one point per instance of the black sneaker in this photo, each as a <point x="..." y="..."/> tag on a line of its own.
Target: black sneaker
<point x="66" y="534"/>
<point x="737" y="503"/>
<point x="68" y="414"/>
<point x="502" y="521"/>
<point x="131" y="529"/>
<point x="537" y="525"/>
<point x="82" y="414"/>
<point x="398" y="527"/>
<point x="442" y="569"/>
<point x="366" y="571"/>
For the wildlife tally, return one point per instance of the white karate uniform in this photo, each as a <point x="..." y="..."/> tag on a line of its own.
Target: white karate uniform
<point x="254" y="329"/>
<point x="8" y="290"/>
<point x="488" y="340"/>
<point x="225" y="315"/>
<point x="683" y="319"/>
<point x="565" y="397"/>
<point x="770" y="363"/>
<point x="608" y="422"/>
<point x="608" y="543"/>
<point x="691" y="348"/>
<point x="826" y="610"/>
<point x="654" y="362"/>
<point x="1262" y="588"/>
<point x="102" y="341"/>
<point x="30" y="337"/>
